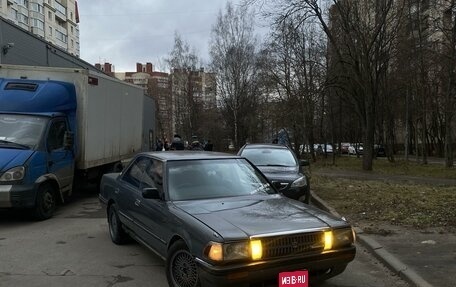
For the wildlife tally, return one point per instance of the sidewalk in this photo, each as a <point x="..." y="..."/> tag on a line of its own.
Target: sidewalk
<point x="423" y="258"/>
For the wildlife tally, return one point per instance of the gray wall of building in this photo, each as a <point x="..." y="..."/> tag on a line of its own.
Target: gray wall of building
<point x="32" y="50"/>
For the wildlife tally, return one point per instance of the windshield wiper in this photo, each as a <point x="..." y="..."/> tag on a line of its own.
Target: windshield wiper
<point x="16" y="145"/>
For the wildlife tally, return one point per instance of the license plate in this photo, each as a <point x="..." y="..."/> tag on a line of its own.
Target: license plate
<point x="294" y="279"/>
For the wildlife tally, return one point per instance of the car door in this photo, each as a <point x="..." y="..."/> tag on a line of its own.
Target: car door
<point x="60" y="160"/>
<point x="129" y="193"/>
<point x="153" y="214"/>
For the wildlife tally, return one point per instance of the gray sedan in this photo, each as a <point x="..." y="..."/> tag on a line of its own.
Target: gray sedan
<point x="217" y="221"/>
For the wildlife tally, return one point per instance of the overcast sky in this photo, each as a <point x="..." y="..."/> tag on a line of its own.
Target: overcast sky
<point x="124" y="32"/>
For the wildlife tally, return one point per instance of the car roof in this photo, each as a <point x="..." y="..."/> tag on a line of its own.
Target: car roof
<point x="188" y="155"/>
<point x="265" y="145"/>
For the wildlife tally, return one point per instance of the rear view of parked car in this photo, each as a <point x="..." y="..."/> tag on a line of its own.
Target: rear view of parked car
<point x="217" y="221"/>
<point x="281" y="166"/>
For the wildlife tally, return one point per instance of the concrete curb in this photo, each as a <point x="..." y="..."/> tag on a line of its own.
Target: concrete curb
<point x="378" y="250"/>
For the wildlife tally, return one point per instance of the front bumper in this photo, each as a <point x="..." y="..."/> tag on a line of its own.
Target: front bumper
<point x="320" y="267"/>
<point x="17" y="196"/>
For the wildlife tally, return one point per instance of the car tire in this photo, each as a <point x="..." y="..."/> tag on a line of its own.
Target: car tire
<point x="116" y="231"/>
<point x="181" y="269"/>
<point x="45" y="203"/>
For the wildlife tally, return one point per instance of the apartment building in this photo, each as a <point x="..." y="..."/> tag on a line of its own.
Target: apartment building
<point x="56" y="21"/>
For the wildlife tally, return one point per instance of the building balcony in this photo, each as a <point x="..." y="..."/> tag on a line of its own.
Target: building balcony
<point x="60" y="11"/>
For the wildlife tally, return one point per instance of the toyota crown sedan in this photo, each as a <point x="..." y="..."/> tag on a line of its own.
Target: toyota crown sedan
<point x="217" y="221"/>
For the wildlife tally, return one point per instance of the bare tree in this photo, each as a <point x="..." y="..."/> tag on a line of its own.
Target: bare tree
<point x="448" y="57"/>
<point x="367" y="30"/>
<point x="186" y="96"/>
<point x="233" y="60"/>
<point x="297" y="69"/>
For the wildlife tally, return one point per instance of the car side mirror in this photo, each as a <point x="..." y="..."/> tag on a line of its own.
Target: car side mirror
<point x="150" y="193"/>
<point x="68" y="140"/>
<point x="304" y="162"/>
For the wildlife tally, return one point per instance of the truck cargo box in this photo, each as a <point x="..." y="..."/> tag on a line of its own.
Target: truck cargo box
<point x="110" y="113"/>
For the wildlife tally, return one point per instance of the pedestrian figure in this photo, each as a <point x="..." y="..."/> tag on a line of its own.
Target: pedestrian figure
<point x="159" y="145"/>
<point x="177" y="143"/>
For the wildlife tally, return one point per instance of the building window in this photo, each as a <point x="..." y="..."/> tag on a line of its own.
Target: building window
<point x="49" y="15"/>
<point x="22" y="3"/>
<point x="71" y="15"/>
<point x="59" y="7"/>
<point x="71" y="30"/>
<point x="21" y="18"/>
<point x="72" y="44"/>
<point x="60" y="36"/>
<point x="38" y="23"/>
<point x="13" y="14"/>
<point x="36" y="7"/>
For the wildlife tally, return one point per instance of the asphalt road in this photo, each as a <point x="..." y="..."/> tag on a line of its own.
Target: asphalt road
<point x="74" y="249"/>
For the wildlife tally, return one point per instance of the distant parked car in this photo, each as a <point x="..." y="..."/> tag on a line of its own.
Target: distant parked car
<point x="323" y="148"/>
<point x="344" y="147"/>
<point x="282" y="167"/>
<point x="355" y="149"/>
<point x="216" y="220"/>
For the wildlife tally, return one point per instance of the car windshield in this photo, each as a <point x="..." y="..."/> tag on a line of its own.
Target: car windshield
<point x="203" y="179"/>
<point x="269" y="156"/>
<point x="21" y="131"/>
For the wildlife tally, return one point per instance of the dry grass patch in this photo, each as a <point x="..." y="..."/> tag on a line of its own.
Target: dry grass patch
<point x="383" y="166"/>
<point x="361" y="202"/>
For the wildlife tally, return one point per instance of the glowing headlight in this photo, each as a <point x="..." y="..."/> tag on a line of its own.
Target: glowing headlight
<point x="13" y="174"/>
<point x="234" y="251"/>
<point x="300" y="182"/>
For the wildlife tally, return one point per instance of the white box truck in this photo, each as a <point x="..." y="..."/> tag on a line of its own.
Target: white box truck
<point x="60" y="126"/>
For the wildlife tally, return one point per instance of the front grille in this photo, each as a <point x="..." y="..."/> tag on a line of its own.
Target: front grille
<point x="285" y="245"/>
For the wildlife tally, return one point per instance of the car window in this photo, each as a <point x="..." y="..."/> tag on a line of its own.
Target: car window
<point x="153" y="176"/>
<point x="269" y="156"/>
<point x="200" y="179"/>
<point x="56" y="135"/>
<point x="134" y="174"/>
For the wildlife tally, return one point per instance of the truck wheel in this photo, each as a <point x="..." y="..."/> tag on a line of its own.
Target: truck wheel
<point x="45" y="204"/>
<point x="181" y="268"/>
<point x="117" y="233"/>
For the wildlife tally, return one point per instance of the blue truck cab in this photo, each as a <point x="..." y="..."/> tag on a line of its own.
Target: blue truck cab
<point x="37" y="146"/>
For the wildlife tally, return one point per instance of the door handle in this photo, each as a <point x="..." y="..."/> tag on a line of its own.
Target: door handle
<point x="137" y="202"/>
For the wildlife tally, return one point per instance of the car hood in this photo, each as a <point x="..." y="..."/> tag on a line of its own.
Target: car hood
<point x="13" y="157"/>
<point x="235" y="218"/>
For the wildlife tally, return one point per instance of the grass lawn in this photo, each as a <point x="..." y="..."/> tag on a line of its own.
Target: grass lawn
<point x="372" y="201"/>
